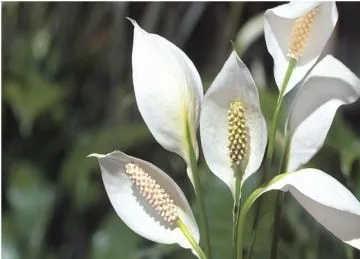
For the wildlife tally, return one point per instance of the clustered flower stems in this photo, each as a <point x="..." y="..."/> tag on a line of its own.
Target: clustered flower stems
<point x="190" y="238"/>
<point x="241" y="221"/>
<point x="204" y="227"/>
<point x="244" y="210"/>
<point x="270" y="149"/>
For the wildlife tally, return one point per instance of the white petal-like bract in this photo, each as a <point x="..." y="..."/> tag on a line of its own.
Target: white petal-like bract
<point x="278" y="24"/>
<point x="327" y="200"/>
<point x="234" y="82"/>
<point x="329" y="85"/>
<point x="132" y="207"/>
<point x="168" y="90"/>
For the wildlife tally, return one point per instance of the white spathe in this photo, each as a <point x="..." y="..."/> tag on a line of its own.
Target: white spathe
<point x="329" y="85"/>
<point x="234" y="82"/>
<point x="278" y="25"/>
<point x="132" y="207"/>
<point x="327" y="200"/>
<point x="168" y="90"/>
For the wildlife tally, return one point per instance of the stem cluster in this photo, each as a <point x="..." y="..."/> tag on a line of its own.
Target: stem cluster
<point x="267" y="165"/>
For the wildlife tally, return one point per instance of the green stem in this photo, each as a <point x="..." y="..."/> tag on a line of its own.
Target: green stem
<point x="277" y="217"/>
<point x="349" y="253"/>
<point x="241" y="221"/>
<point x="246" y="207"/>
<point x="270" y="149"/>
<point x="279" y="202"/>
<point x="198" y="192"/>
<point x="191" y="239"/>
<point x="236" y="211"/>
<point x="272" y="136"/>
<point x="252" y="242"/>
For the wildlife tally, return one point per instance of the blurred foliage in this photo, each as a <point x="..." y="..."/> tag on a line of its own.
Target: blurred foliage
<point x="67" y="92"/>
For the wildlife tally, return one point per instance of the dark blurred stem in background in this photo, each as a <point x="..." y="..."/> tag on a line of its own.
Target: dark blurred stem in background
<point x="279" y="201"/>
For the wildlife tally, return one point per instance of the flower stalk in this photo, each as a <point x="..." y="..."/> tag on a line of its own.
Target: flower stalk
<point x="204" y="229"/>
<point x="270" y="151"/>
<point x="241" y="221"/>
<point x="236" y="212"/>
<point x="190" y="238"/>
<point x="246" y="207"/>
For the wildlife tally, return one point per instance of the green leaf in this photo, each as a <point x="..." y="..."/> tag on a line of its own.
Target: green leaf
<point x="9" y="248"/>
<point x="218" y="202"/>
<point x="249" y="33"/>
<point x="41" y="43"/>
<point x="76" y="170"/>
<point x="33" y="98"/>
<point x="20" y="53"/>
<point x="31" y="199"/>
<point x="114" y="240"/>
<point x="342" y="138"/>
<point x="267" y="101"/>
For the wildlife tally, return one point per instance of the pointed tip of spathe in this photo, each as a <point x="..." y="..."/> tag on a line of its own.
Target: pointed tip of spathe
<point x="132" y="21"/>
<point x="235" y="50"/>
<point x="96" y="155"/>
<point x="99" y="156"/>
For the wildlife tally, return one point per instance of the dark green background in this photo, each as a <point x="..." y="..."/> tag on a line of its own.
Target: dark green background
<point x="67" y="92"/>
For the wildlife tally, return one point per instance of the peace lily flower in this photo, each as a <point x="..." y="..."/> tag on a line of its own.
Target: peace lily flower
<point x="329" y="85"/>
<point x="232" y="127"/>
<point x="327" y="200"/>
<point x="147" y="199"/>
<point x="168" y="92"/>
<point x="298" y="30"/>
